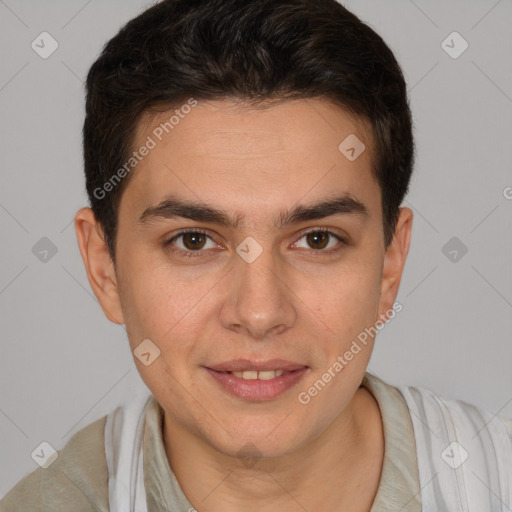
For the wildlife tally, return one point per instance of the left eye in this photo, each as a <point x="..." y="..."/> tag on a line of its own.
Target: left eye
<point x="319" y="239"/>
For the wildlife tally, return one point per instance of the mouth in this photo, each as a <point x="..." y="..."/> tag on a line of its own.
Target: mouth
<point x="257" y="381"/>
<point x="255" y="374"/>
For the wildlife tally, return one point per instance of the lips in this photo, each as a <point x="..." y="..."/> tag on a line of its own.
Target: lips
<point x="257" y="380"/>
<point x="242" y="365"/>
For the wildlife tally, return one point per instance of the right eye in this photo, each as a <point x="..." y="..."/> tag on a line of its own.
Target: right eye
<point x="192" y="241"/>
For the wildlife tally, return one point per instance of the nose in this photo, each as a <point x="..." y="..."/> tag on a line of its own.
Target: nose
<point x="260" y="302"/>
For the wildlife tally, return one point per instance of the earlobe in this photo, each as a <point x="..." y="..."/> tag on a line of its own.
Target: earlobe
<point x="394" y="261"/>
<point x="98" y="264"/>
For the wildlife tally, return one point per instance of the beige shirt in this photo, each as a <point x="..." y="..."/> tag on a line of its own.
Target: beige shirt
<point x="78" y="480"/>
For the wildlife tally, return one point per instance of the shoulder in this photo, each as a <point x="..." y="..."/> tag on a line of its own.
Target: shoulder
<point x="76" y="481"/>
<point x="459" y="443"/>
<point x="430" y="405"/>
<point x="432" y="411"/>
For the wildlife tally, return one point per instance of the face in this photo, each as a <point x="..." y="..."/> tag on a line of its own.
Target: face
<point x="267" y="280"/>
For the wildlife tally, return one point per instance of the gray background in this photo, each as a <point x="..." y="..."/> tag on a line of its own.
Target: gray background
<point x="63" y="364"/>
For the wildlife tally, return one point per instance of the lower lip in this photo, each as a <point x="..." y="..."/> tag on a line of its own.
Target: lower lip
<point x="257" y="390"/>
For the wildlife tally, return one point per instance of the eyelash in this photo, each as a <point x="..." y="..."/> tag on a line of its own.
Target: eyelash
<point x="196" y="254"/>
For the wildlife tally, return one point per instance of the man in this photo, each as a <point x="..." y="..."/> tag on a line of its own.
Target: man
<point x="245" y="163"/>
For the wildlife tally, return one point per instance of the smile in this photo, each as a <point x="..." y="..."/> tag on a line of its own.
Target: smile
<point x="261" y="375"/>
<point x="257" y="381"/>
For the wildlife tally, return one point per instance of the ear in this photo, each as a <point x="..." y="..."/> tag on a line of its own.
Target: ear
<point x="98" y="264"/>
<point x="394" y="261"/>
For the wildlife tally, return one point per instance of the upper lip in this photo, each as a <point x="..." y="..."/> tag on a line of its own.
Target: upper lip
<point x="238" y="365"/>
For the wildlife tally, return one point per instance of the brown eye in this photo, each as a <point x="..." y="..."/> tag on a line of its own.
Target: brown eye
<point x="190" y="243"/>
<point x="318" y="239"/>
<point x="194" y="241"/>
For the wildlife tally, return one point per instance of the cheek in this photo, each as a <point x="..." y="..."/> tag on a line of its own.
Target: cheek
<point x="146" y="300"/>
<point x="156" y="310"/>
<point x="348" y="301"/>
<point x="167" y="307"/>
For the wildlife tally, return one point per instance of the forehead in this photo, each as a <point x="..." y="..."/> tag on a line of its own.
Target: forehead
<point x="248" y="157"/>
<point x="269" y="126"/>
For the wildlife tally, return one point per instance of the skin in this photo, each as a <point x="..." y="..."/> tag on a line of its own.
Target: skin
<point x="293" y="302"/>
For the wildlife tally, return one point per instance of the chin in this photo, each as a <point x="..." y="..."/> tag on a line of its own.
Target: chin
<point x="248" y="442"/>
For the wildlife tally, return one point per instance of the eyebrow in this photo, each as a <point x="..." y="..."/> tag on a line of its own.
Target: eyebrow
<point x="172" y="207"/>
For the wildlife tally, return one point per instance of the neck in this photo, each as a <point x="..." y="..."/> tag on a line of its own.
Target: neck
<point x="339" y="470"/>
